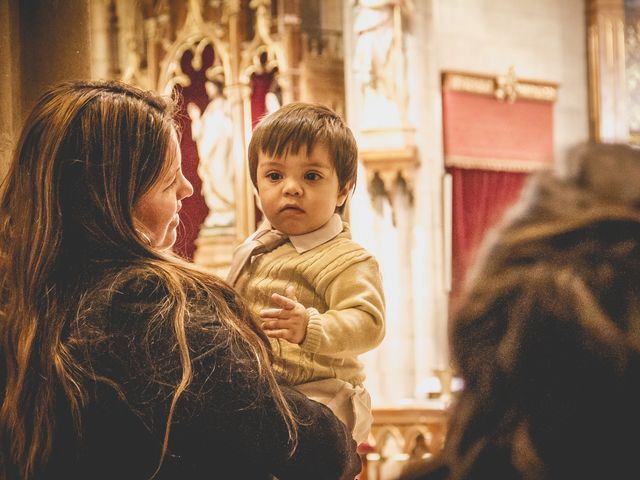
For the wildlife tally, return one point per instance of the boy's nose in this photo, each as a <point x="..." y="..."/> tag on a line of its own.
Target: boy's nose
<point x="292" y="187"/>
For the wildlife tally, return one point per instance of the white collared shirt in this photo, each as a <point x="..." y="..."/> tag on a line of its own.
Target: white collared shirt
<point x="307" y="241"/>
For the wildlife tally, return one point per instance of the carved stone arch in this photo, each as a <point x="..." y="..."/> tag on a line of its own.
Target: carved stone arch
<point x="388" y="432"/>
<point x="264" y="52"/>
<point x="417" y="438"/>
<point x="195" y="35"/>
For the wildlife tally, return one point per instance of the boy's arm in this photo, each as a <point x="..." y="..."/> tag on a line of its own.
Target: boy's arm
<point x="354" y="322"/>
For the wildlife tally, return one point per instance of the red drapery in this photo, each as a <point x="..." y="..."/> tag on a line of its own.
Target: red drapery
<point x="482" y="132"/>
<point x="194" y="209"/>
<point x="490" y="146"/>
<point x="260" y="86"/>
<point x="480" y="198"/>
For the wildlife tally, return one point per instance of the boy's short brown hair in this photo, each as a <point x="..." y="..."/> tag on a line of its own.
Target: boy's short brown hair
<point x="305" y="124"/>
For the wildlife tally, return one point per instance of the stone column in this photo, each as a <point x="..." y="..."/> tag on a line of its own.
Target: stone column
<point x="404" y="226"/>
<point x="289" y="26"/>
<point x="608" y="96"/>
<point x="10" y="113"/>
<point x="41" y="43"/>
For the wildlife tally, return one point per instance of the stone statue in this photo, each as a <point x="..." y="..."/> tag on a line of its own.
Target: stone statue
<point x="212" y="130"/>
<point x="379" y="59"/>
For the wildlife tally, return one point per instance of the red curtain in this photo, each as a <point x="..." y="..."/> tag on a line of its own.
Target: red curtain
<point x="480" y="198"/>
<point x="194" y="209"/>
<point x="489" y="147"/>
<point x="260" y="86"/>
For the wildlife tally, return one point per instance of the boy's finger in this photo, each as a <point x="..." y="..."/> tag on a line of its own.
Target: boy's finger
<point x="277" y="333"/>
<point x="291" y="293"/>
<point x="271" y="312"/>
<point x="275" y="325"/>
<point x="283" y="302"/>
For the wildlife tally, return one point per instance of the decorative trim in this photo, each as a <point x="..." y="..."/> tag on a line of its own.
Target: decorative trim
<point x="394" y="156"/>
<point x="503" y="87"/>
<point x="414" y="432"/>
<point x="195" y="35"/>
<point x="264" y="53"/>
<point x="496" y="164"/>
<point x="391" y="164"/>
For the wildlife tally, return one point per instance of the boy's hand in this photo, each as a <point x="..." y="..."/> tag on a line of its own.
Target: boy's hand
<point x="289" y="321"/>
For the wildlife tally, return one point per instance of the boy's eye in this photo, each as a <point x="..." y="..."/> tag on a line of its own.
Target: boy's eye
<point x="312" y="176"/>
<point x="274" y="176"/>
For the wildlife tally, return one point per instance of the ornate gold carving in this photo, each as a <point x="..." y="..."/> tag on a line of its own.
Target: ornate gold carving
<point x="467" y="83"/>
<point x="503" y="87"/>
<point x="150" y="37"/>
<point x="154" y="38"/>
<point x="497" y="164"/>
<point x="195" y="35"/>
<point x="402" y="438"/>
<point x="507" y="86"/>
<point x="543" y="93"/>
<point x="264" y="53"/>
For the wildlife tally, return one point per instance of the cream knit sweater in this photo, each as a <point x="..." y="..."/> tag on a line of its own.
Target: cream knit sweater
<point x="339" y="283"/>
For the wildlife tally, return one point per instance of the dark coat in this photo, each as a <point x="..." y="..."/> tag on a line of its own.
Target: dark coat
<point x="225" y="425"/>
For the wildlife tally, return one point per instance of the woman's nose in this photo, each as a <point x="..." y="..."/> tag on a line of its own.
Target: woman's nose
<point x="186" y="189"/>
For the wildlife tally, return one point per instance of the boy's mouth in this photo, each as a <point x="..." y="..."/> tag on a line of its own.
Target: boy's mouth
<point x="291" y="208"/>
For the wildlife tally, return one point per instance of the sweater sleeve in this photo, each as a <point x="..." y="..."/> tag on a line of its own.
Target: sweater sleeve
<point x="227" y="421"/>
<point x="354" y="322"/>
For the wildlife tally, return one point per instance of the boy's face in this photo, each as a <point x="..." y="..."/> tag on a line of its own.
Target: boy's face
<point x="299" y="192"/>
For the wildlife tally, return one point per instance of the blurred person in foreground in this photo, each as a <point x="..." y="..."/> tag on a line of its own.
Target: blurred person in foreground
<point x="547" y="337"/>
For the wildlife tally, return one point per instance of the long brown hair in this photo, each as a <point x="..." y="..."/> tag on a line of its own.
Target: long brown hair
<point x="547" y="337"/>
<point x="87" y="153"/>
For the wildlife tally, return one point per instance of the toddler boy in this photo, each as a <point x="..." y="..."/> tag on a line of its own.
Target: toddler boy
<point x="317" y="293"/>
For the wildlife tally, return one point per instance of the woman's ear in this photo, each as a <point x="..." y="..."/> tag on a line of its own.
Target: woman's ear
<point x="343" y="194"/>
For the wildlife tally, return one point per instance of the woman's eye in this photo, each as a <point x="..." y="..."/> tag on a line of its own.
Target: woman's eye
<point x="312" y="176"/>
<point x="274" y="176"/>
<point x="173" y="183"/>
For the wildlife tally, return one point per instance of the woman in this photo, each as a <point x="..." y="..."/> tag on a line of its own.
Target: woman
<point x="547" y="338"/>
<point x="119" y="360"/>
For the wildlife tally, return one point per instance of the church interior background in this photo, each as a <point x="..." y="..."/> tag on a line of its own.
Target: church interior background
<point x="453" y="103"/>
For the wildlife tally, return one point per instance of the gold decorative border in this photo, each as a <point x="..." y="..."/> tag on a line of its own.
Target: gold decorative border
<point x="495" y="86"/>
<point x="496" y="164"/>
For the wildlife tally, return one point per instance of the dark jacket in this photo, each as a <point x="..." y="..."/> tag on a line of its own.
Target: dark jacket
<point x="226" y="425"/>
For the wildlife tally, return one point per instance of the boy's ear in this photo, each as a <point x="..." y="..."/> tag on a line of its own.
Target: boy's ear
<point x="344" y="193"/>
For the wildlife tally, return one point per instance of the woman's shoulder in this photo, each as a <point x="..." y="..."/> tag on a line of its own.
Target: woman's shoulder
<point x="118" y="287"/>
<point x="130" y="313"/>
<point x="141" y="282"/>
<point x="128" y="296"/>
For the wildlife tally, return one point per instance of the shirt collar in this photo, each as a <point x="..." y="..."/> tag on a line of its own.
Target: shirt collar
<point x="307" y="241"/>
